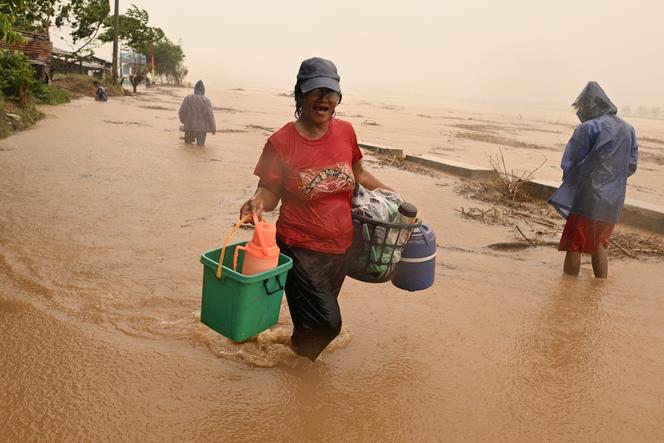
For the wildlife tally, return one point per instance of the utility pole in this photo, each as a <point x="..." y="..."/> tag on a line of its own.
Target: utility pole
<point x="116" y="31"/>
<point x="152" y="62"/>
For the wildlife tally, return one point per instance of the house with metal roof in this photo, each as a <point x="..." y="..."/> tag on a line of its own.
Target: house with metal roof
<point x="65" y="62"/>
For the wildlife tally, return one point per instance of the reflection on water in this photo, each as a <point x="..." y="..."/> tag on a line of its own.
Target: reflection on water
<point x="562" y="350"/>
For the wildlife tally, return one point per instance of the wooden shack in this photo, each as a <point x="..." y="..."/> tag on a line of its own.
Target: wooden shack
<point x="38" y="50"/>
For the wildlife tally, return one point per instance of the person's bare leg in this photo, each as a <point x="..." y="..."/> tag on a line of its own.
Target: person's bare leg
<point x="572" y="263"/>
<point x="601" y="262"/>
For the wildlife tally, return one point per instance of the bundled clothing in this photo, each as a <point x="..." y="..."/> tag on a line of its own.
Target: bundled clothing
<point x="197" y="116"/>
<point x="315" y="181"/>
<point x="598" y="158"/>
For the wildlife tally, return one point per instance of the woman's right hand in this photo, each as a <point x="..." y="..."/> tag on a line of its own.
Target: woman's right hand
<point x="250" y="206"/>
<point x="262" y="200"/>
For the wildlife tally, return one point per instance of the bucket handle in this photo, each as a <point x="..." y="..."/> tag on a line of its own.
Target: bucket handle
<point x="280" y="286"/>
<point x="228" y="238"/>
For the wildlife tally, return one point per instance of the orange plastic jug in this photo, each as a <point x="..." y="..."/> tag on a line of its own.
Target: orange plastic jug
<point x="262" y="252"/>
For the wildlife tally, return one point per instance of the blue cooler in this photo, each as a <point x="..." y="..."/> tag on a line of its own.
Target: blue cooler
<point x="417" y="268"/>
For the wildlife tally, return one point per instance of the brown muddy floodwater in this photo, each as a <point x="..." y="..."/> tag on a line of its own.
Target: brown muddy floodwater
<point x="104" y="216"/>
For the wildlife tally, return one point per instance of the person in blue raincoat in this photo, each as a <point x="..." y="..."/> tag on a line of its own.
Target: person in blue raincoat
<point x="599" y="157"/>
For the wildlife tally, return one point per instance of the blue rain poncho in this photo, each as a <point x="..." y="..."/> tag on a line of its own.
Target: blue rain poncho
<point x="599" y="157"/>
<point x="196" y="112"/>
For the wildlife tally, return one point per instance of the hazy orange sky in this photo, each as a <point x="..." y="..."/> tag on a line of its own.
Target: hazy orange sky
<point x="517" y="50"/>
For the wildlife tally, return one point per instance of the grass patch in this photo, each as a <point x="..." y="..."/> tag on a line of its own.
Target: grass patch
<point x="50" y="95"/>
<point x="76" y="84"/>
<point x="79" y="85"/>
<point x="15" y="118"/>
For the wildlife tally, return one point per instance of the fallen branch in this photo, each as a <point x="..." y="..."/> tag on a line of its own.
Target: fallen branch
<point x="613" y="242"/>
<point x="524" y="236"/>
<point x="508" y="207"/>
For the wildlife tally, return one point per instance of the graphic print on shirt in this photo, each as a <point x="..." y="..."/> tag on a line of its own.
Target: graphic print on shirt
<point x="318" y="182"/>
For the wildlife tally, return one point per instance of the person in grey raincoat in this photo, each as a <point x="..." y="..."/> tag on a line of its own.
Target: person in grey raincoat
<point x="599" y="157"/>
<point x="197" y="116"/>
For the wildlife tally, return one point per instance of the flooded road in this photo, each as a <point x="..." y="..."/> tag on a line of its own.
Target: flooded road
<point x="105" y="213"/>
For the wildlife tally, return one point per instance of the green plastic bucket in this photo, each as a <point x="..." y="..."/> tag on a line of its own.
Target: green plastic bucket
<point x="240" y="306"/>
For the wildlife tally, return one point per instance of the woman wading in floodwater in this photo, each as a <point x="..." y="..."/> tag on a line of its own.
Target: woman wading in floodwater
<point x="312" y="166"/>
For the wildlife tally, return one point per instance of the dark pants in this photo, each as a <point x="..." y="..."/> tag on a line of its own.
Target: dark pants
<point x="189" y="137"/>
<point x="312" y="288"/>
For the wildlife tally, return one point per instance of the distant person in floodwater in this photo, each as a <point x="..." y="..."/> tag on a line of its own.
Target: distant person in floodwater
<point x="599" y="157"/>
<point x="197" y="116"/>
<point x="101" y="94"/>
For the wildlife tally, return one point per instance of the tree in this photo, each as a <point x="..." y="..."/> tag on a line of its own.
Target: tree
<point x="134" y="30"/>
<point x="168" y="58"/>
<point x="83" y="17"/>
<point x="86" y="17"/>
<point x="139" y="75"/>
<point x="116" y="29"/>
<point x="182" y="72"/>
<point x="8" y="11"/>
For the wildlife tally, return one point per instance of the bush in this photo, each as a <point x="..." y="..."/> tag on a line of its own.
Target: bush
<point x="16" y="75"/>
<point x="50" y="95"/>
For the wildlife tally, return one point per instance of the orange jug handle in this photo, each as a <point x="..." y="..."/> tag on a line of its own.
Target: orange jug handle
<point x="260" y="234"/>
<point x="237" y="249"/>
<point x="228" y="238"/>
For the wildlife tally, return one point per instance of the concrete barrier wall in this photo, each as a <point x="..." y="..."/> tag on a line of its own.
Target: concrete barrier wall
<point x="635" y="213"/>
<point x="644" y="215"/>
<point x="453" y="167"/>
<point x="379" y="149"/>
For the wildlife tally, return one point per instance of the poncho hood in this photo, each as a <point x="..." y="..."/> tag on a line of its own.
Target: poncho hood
<point x="593" y="102"/>
<point x="199" y="88"/>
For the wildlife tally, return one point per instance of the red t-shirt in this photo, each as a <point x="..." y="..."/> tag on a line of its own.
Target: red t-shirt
<point x="315" y="181"/>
